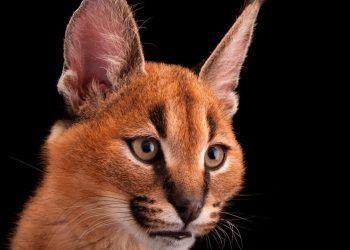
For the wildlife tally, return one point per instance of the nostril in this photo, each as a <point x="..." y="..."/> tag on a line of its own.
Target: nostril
<point x="181" y="209"/>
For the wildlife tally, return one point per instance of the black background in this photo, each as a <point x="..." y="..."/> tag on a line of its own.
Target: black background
<point x="274" y="122"/>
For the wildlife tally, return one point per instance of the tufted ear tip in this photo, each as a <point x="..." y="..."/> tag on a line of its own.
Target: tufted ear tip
<point x="254" y="2"/>
<point x="222" y="69"/>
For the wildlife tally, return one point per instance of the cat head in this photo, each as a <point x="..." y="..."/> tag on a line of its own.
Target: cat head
<point x="153" y="144"/>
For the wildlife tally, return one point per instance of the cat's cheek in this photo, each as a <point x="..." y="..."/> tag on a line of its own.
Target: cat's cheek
<point x="124" y="172"/>
<point x="207" y="220"/>
<point x="228" y="181"/>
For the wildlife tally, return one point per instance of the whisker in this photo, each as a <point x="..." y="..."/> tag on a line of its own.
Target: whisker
<point x="89" y="205"/>
<point x="225" y="234"/>
<point x="222" y="240"/>
<point x="64" y="214"/>
<point x="238" y="217"/>
<point x="99" y="207"/>
<point x="98" y="224"/>
<point x="88" y="209"/>
<point x="249" y="194"/>
<point x="206" y="241"/>
<point x="114" y="198"/>
<point x="236" y="224"/>
<point x="233" y="236"/>
<point x="236" y="232"/>
<point x="207" y="237"/>
<point x="214" y="236"/>
<point x="26" y="164"/>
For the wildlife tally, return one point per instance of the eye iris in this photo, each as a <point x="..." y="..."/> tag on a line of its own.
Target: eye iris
<point x="213" y="153"/>
<point x="147" y="146"/>
<point x="214" y="157"/>
<point x="145" y="149"/>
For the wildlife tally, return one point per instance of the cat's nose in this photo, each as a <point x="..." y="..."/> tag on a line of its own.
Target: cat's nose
<point x="188" y="204"/>
<point x="187" y="209"/>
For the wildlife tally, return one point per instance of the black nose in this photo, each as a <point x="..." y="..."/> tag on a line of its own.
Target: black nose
<point x="188" y="210"/>
<point x="188" y="206"/>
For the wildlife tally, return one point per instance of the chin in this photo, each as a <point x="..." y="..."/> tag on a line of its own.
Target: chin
<point x="169" y="243"/>
<point x="163" y="239"/>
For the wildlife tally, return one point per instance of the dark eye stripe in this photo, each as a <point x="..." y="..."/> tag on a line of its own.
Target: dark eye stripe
<point x="158" y="118"/>
<point x="212" y="126"/>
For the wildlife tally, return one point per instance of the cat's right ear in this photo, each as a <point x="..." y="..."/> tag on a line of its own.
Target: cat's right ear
<point x="221" y="70"/>
<point x="102" y="46"/>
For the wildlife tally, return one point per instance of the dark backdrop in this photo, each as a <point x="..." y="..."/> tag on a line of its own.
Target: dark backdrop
<point x="270" y="123"/>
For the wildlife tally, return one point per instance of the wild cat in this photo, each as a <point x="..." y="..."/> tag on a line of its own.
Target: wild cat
<point x="150" y="159"/>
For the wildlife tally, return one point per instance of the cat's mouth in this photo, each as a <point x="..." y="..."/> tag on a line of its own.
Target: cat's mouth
<point x="178" y="235"/>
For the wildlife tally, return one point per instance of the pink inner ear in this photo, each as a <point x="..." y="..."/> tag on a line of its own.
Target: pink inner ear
<point x="91" y="65"/>
<point x="95" y="44"/>
<point x="225" y="69"/>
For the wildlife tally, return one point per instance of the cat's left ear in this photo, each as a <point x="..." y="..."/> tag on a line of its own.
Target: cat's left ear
<point x="223" y="67"/>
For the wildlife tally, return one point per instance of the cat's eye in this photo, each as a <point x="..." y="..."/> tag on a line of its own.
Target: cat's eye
<point x="214" y="157"/>
<point x="145" y="149"/>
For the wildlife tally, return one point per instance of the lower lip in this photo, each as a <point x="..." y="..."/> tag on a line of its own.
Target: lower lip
<point x="170" y="234"/>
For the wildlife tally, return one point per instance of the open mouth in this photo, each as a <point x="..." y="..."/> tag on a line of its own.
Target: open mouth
<point x="178" y="235"/>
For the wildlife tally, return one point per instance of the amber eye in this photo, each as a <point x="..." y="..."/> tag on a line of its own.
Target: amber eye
<point x="214" y="157"/>
<point x="146" y="149"/>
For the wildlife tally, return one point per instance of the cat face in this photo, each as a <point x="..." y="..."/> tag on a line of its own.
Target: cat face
<point x="163" y="144"/>
<point x="153" y="145"/>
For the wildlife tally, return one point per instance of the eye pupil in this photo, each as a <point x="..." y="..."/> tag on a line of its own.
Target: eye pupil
<point x="147" y="146"/>
<point x="145" y="149"/>
<point x="213" y="153"/>
<point x="215" y="156"/>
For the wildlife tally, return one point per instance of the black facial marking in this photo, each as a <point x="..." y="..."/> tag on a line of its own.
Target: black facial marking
<point x="189" y="103"/>
<point x="214" y="215"/>
<point x="158" y="118"/>
<point x="217" y="204"/>
<point x="212" y="126"/>
<point x="169" y="186"/>
<point x="143" y="213"/>
<point x="147" y="210"/>
<point x="206" y="183"/>
<point x="159" y="168"/>
<point x="143" y="199"/>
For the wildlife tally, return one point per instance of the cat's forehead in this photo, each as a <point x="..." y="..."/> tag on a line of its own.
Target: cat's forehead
<point x="172" y="100"/>
<point x="172" y="84"/>
<point x="174" y="91"/>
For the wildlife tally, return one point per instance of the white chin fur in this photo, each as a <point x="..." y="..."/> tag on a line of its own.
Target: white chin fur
<point x="160" y="243"/>
<point x="157" y="242"/>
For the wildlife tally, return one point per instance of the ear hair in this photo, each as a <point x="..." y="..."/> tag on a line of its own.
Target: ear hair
<point x="223" y="67"/>
<point x="102" y="46"/>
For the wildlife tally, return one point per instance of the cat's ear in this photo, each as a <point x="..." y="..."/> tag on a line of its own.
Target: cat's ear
<point x="102" y="46"/>
<point x="223" y="67"/>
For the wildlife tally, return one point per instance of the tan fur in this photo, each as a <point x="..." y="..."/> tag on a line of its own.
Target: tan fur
<point x="91" y="175"/>
<point x="86" y="161"/>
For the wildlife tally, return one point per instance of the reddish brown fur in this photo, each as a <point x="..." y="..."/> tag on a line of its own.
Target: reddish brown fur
<point x="85" y="198"/>
<point x="86" y="160"/>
